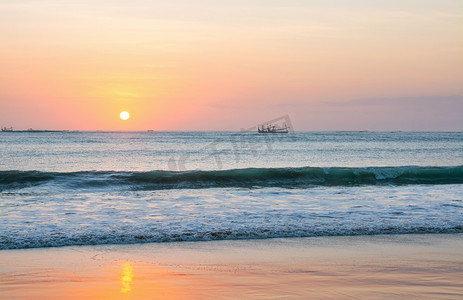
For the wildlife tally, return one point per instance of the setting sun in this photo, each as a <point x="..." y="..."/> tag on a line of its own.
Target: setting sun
<point x="124" y="115"/>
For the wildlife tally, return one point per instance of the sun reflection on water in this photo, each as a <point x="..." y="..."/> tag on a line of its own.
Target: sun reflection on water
<point x="126" y="277"/>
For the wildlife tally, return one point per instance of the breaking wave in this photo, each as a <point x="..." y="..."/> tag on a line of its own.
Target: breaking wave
<point x="121" y="237"/>
<point x="250" y="177"/>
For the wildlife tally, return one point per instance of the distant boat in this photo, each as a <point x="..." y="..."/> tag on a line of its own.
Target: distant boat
<point x="7" y="129"/>
<point x="272" y="128"/>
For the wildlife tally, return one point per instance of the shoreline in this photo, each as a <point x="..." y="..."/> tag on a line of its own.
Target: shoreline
<point x="378" y="266"/>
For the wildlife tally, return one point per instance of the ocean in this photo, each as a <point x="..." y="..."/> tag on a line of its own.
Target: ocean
<point x="91" y="188"/>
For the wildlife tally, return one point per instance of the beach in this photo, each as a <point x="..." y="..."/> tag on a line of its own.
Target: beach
<point x="419" y="266"/>
<point x="227" y="215"/>
<point x="231" y="149"/>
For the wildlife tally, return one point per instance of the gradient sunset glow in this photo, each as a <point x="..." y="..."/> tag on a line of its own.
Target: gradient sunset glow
<point x="225" y="65"/>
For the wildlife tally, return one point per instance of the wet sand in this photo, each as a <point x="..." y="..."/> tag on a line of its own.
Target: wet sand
<point x="427" y="266"/>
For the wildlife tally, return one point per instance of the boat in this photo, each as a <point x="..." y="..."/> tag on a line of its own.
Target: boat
<point x="272" y="128"/>
<point x="7" y="129"/>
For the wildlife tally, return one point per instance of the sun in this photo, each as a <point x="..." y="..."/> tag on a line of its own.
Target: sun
<point x="124" y="115"/>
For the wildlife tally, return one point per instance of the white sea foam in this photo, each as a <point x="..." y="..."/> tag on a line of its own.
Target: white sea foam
<point x="43" y="220"/>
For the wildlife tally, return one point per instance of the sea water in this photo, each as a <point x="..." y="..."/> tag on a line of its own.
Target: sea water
<point x="81" y="188"/>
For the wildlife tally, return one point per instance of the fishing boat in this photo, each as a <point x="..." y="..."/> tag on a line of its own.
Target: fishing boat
<point x="272" y="128"/>
<point x="7" y="129"/>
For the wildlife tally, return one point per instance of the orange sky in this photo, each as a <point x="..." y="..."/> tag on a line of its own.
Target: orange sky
<point x="225" y="65"/>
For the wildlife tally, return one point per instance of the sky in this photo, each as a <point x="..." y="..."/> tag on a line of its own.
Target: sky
<point x="231" y="64"/>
